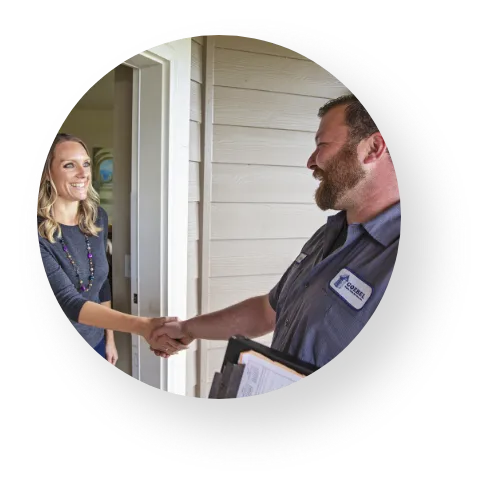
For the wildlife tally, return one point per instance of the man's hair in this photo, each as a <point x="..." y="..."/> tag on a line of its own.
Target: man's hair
<point x="357" y="118"/>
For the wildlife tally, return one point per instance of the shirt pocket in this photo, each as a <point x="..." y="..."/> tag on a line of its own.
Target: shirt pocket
<point x="340" y="325"/>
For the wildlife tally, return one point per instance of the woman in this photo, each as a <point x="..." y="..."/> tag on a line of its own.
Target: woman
<point x="72" y="231"/>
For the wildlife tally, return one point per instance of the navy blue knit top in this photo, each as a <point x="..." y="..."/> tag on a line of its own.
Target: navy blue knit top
<point x="62" y="277"/>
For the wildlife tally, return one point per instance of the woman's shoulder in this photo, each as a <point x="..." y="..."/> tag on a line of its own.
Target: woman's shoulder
<point x="102" y="216"/>
<point x="101" y="212"/>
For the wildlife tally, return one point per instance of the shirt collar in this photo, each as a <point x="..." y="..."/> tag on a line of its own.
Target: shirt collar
<point x="385" y="228"/>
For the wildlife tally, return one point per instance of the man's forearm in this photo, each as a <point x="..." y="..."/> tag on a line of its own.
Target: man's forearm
<point x="253" y="317"/>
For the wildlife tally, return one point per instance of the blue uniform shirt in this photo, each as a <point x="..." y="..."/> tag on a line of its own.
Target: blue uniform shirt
<point x="322" y="303"/>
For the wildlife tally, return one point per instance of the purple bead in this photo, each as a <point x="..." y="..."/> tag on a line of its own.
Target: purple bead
<point x="65" y="248"/>
<point x="89" y="256"/>
<point x="82" y="288"/>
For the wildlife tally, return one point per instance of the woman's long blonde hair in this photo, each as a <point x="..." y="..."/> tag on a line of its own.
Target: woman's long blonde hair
<point x="87" y="209"/>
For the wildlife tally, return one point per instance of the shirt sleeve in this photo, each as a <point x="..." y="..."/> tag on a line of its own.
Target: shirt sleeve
<point x="105" y="293"/>
<point x="70" y="300"/>
<point x="275" y="292"/>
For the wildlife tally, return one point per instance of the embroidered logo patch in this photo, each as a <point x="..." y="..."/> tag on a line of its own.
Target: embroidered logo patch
<point x="300" y="258"/>
<point x="351" y="289"/>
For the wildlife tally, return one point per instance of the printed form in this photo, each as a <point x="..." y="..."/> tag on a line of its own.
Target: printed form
<point x="262" y="375"/>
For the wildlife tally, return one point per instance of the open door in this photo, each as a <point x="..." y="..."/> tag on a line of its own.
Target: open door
<point x="121" y="209"/>
<point x="159" y="201"/>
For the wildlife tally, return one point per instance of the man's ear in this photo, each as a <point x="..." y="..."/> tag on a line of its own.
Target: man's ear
<point x="376" y="146"/>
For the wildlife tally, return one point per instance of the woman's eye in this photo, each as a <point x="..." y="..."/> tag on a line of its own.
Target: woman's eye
<point x="86" y="164"/>
<point x="68" y="165"/>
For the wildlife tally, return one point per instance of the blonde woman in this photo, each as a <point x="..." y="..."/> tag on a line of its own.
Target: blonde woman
<point x="73" y="231"/>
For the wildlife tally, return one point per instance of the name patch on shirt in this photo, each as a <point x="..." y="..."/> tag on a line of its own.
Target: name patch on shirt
<point x="300" y="258"/>
<point x="351" y="289"/>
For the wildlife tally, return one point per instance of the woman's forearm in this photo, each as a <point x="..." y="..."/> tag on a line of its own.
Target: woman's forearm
<point x="100" y="316"/>
<point x="109" y="334"/>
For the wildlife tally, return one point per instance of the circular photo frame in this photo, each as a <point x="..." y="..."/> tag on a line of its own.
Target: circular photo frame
<point x="372" y="375"/>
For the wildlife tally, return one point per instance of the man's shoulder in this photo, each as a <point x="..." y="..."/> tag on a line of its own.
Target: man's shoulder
<point x="316" y="238"/>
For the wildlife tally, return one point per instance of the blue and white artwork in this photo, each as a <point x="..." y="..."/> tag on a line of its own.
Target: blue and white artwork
<point x="103" y="169"/>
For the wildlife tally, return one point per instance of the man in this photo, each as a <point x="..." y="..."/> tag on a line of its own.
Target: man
<point x="330" y="291"/>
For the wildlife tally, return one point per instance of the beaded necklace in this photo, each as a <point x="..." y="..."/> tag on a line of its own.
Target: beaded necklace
<point x="91" y="277"/>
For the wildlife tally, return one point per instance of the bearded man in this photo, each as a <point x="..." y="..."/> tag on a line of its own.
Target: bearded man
<point x="330" y="291"/>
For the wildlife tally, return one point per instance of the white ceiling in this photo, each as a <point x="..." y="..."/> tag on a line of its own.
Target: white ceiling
<point x="100" y="96"/>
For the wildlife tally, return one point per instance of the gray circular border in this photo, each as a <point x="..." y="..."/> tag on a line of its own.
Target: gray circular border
<point x="372" y="375"/>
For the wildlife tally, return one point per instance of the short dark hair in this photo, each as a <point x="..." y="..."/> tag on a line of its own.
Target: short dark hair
<point x="360" y="123"/>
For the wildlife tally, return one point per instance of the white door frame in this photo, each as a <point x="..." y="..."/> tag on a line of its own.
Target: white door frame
<point x="159" y="201"/>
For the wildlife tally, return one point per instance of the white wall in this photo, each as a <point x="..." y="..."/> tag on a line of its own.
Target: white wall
<point x="265" y="102"/>
<point x="94" y="127"/>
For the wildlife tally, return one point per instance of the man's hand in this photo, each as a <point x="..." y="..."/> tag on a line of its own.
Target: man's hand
<point x="167" y="345"/>
<point x="163" y="338"/>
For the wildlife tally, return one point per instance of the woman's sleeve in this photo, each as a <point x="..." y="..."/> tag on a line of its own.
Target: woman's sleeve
<point x="105" y="291"/>
<point x="68" y="297"/>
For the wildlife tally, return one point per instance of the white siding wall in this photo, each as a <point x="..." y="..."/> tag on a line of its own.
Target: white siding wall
<point x="194" y="198"/>
<point x="265" y="103"/>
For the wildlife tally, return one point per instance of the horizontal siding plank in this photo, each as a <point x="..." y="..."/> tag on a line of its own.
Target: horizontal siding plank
<point x="260" y="183"/>
<point x="252" y="257"/>
<point x="253" y="108"/>
<point x="263" y="72"/>
<point x="196" y="61"/>
<point x="238" y="221"/>
<point x="261" y="146"/>
<point x="226" y="291"/>
<point x="195" y="141"/>
<point x="196" y="102"/>
<point x="193" y="225"/>
<point x="255" y="46"/>
<point x="194" y="186"/>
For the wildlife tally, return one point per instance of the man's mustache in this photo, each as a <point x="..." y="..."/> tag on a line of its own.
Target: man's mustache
<point x="318" y="174"/>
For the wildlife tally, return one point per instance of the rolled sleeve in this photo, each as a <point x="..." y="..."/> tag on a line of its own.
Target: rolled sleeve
<point x="275" y="292"/>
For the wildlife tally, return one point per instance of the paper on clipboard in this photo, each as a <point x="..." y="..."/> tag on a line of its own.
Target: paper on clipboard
<point x="262" y="375"/>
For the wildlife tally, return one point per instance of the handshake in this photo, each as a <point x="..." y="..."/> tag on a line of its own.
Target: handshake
<point x="166" y="335"/>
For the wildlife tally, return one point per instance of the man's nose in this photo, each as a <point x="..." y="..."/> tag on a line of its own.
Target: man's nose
<point x="311" y="161"/>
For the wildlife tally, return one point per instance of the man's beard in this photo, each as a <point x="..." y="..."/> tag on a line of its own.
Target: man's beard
<point x="343" y="172"/>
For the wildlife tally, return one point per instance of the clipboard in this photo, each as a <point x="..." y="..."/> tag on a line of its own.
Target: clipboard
<point x="238" y="344"/>
<point x="227" y="382"/>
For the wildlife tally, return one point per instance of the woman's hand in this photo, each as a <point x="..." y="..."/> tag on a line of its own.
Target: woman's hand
<point x="167" y="346"/>
<point x="111" y="351"/>
<point x="163" y="338"/>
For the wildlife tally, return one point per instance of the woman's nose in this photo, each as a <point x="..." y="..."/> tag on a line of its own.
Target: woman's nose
<point x="83" y="171"/>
